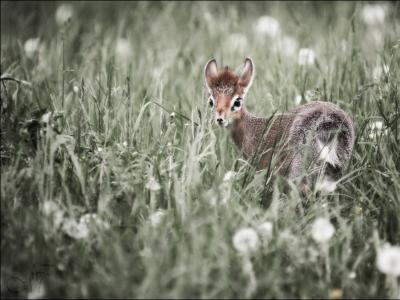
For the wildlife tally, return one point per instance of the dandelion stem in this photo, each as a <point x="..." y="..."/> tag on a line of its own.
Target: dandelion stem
<point x="249" y="272"/>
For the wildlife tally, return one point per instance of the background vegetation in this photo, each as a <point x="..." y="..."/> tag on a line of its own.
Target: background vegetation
<point x="109" y="117"/>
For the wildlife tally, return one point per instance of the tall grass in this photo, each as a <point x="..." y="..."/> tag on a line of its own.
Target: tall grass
<point x="93" y="132"/>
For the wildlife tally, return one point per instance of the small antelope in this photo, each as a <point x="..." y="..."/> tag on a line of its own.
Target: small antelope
<point x="315" y="134"/>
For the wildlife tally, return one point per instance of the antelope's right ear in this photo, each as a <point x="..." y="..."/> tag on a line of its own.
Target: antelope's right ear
<point x="210" y="72"/>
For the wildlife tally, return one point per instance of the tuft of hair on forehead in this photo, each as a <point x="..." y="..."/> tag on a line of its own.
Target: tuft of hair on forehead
<point x="224" y="82"/>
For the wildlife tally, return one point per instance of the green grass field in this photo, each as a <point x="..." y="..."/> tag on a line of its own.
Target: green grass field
<point x="107" y="114"/>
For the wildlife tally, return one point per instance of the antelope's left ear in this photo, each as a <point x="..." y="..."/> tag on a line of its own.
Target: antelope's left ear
<point x="246" y="79"/>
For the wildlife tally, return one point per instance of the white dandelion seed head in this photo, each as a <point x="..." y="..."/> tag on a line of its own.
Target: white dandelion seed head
<point x="207" y="16"/>
<point x="123" y="49"/>
<point x="265" y="229"/>
<point x="75" y="89"/>
<point x="54" y="212"/>
<point x="309" y="95"/>
<point x="236" y="41"/>
<point x="246" y="241"/>
<point x="297" y="99"/>
<point x="376" y="129"/>
<point x="268" y="26"/>
<point x="373" y="14"/>
<point x="64" y="13"/>
<point x="388" y="260"/>
<point x="212" y="200"/>
<point x="37" y="291"/>
<point x="230" y="175"/>
<point x="377" y="125"/>
<point x="99" y="149"/>
<point x="306" y="57"/>
<point x="125" y="143"/>
<point x="322" y="230"/>
<point x="92" y="219"/>
<point x="288" y="46"/>
<point x="157" y="72"/>
<point x="152" y="184"/>
<point x="75" y="230"/>
<point x="352" y="275"/>
<point x="156" y="218"/>
<point x="45" y="118"/>
<point x="50" y="207"/>
<point x="31" y="47"/>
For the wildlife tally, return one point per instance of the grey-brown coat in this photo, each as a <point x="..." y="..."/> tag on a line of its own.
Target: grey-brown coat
<point x="315" y="134"/>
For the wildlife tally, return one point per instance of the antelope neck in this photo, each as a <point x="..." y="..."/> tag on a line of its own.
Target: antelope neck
<point x="241" y="127"/>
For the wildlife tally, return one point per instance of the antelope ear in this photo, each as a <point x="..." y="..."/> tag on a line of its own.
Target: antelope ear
<point x="246" y="79"/>
<point x="210" y="72"/>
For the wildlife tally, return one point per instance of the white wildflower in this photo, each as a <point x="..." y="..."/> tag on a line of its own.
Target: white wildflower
<point x="123" y="49"/>
<point x="46" y="118"/>
<point x="75" y="89"/>
<point x="388" y="260"/>
<point x="92" y="219"/>
<point x="31" y="47"/>
<point x="237" y="41"/>
<point x="212" y="200"/>
<point x="376" y="129"/>
<point x="157" y="72"/>
<point x="156" y="217"/>
<point x="297" y="99"/>
<point x="246" y="241"/>
<point x="64" y="13"/>
<point x="309" y="95"/>
<point x="208" y="17"/>
<point x="352" y="275"/>
<point x="230" y="175"/>
<point x="210" y="197"/>
<point x="373" y="14"/>
<point x="306" y="57"/>
<point x="49" y="207"/>
<point x="53" y="211"/>
<point x="267" y="25"/>
<point x="99" y="149"/>
<point x="125" y="143"/>
<point x="37" y="290"/>
<point x="322" y="230"/>
<point x="75" y="230"/>
<point x="152" y="184"/>
<point x="288" y="46"/>
<point x="265" y="229"/>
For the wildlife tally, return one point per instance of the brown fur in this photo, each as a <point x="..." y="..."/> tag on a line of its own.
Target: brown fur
<point x="225" y="83"/>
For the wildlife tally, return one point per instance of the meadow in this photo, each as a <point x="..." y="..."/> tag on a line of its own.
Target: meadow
<point x="115" y="182"/>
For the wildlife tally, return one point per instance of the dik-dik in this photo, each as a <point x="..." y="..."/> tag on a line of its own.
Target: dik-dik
<point x="310" y="144"/>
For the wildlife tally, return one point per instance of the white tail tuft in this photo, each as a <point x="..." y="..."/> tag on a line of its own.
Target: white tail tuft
<point x="327" y="184"/>
<point x="327" y="152"/>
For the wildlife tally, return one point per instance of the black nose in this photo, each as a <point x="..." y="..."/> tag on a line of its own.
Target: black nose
<point x="219" y="120"/>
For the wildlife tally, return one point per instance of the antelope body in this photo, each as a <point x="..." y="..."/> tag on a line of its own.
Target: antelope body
<point x="317" y="136"/>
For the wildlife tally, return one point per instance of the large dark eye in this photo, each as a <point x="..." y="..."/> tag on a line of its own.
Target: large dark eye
<point x="237" y="103"/>
<point x="211" y="102"/>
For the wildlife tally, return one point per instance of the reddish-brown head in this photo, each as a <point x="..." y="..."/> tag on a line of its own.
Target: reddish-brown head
<point x="227" y="90"/>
